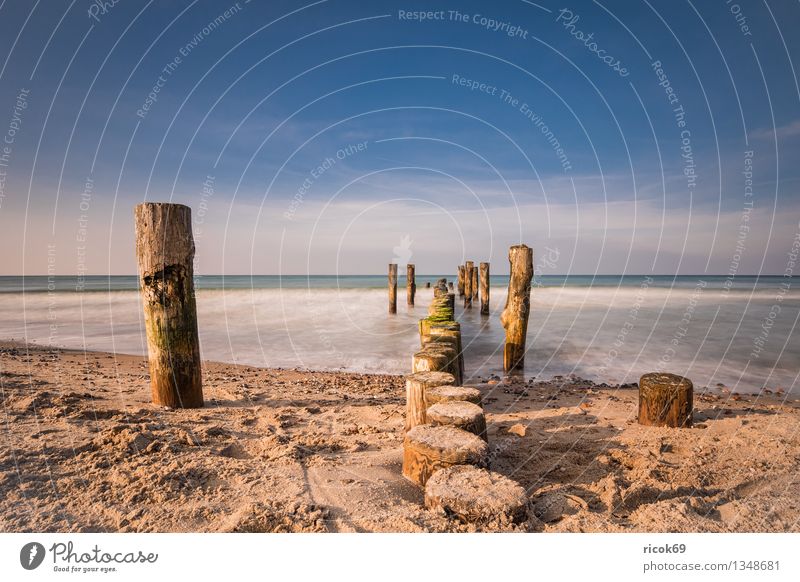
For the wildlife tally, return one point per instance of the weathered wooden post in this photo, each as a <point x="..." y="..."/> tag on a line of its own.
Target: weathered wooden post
<point x="416" y="384"/>
<point x="484" y="288"/>
<point x="469" y="267"/>
<point x="460" y="414"/>
<point x="411" y="285"/>
<point x="438" y="394"/>
<point x="427" y="449"/>
<point x="474" y="284"/>
<point x="392" y="288"/>
<point x="165" y="254"/>
<point x="460" y="280"/>
<point x="474" y="495"/>
<point x="665" y="400"/>
<point x="518" y="306"/>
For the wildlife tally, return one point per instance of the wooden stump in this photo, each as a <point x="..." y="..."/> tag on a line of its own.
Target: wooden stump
<point x="469" y="269"/>
<point x="518" y="306"/>
<point x="464" y="415"/>
<point x="440" y="347"/>
<point x="431" y="326"/>
<point x="451" y="362"/>
<point x="428" y="285"/>
<point x="460" y="280"/>
<point x="440" y="310"/>
<point x="451" y="330"/>
<point x="665" y="400"/>
<point x="443" y="340"/>
<point x="411" y="285"/>
<point x="392" y="288"/>
<point x="165" y="255"/>
<point x="438" y="394"/>
<point x="437" y="357"/>
<point x="484" y="268"/>
<point x="475" y="495"/>
<point x="475" y="286"/>
<point x="447" y="332"/>
<point x="427" y="449"/>
<point x="429" y="361"/>
<point x="440" y="333"/>
<point x="416" y="384"/>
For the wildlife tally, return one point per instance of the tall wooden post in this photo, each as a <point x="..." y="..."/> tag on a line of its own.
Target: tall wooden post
<point x="461" y="280"/>
<point x="165" y="255"/>
<point x="469" y="267"/>
<point x="392" y="288"/>
<point x="518" y="306"/>
<point x="484" y="288"/>
<point x="411" y="285"/>
<point x="474" y="284"/>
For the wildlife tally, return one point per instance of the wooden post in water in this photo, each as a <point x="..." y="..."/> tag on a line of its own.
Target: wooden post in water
<point x="474" y="284"/>
<point x="461" y="280"/>
<point x="665" y="400"/>
<point x="165" y="255"/>
<point x="392" y="288"/>
<point x="518" y="306"/>
<point x="484" y="288"/>
<point x="469" y="267"/>
<point x="411" y="286"/>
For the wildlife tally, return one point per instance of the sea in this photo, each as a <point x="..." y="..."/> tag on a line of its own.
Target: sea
<point x="738" y="333"/>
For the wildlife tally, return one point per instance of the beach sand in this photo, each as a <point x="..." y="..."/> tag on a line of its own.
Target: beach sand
<point x="288" y="451"/>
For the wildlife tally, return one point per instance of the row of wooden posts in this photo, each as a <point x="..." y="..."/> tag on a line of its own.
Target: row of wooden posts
<point x="474" y="284"/>
<point x="445" y="445"/>
<point x="165" y="257"/>
<point x="444" y="423"/>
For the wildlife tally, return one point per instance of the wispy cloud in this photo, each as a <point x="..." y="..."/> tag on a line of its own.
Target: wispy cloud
<point x="786" y="131"/>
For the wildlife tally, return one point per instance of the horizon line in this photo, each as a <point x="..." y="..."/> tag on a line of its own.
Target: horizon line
<point x="782" y="275"/>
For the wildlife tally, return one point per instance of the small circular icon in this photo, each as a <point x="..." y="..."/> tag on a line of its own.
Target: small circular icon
<point x="31" y="555"/>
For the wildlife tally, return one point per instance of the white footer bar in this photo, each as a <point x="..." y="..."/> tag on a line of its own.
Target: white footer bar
<point x="388" y="557"/>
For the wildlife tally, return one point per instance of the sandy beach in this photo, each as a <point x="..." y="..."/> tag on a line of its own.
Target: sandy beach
<point x="277" y="450"/>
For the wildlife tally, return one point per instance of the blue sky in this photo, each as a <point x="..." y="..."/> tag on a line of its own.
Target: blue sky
<point x="316" y="137"/>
